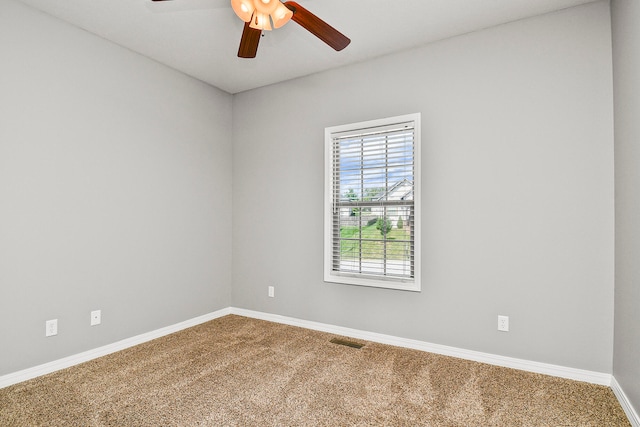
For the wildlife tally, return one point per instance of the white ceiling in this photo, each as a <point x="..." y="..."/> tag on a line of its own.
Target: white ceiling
<point x="201" y="37"/>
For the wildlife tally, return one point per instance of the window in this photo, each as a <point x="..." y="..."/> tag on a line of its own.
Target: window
<point x="372" y="210"/>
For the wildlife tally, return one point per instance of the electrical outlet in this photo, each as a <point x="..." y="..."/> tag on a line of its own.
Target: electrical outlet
<point x="272" y="292"/>
<point x="503" y="323"/>
<point x="96" y="317"/>
<point x="51" y="327"/>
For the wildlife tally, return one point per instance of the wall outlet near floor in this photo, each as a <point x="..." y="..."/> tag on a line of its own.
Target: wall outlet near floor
<point x="503" y="323"/>
<point x="272" y="291"/>
<point x="96" y="317"/>
<point x="51" y="327"/>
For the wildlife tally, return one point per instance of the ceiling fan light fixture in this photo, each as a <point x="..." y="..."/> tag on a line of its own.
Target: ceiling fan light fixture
<point x="281" y="15"/>
<point x="282" y="12"/>
<point x="260" y="13"/>
<point x="243" y="8"/>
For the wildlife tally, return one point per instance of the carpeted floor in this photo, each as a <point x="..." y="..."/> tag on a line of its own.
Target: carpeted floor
<point x="236" y="371"/>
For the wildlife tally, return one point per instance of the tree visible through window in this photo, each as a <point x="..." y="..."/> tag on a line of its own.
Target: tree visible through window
<point x="371" y="208"/>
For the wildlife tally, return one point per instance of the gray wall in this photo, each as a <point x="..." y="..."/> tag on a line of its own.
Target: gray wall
<point x="518" y="202"/>
<point x="115" y="191"/>
<point x="626" y="69"/>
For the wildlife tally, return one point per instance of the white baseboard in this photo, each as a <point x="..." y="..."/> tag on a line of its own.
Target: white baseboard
<point x="509" y="362"/>
<point x="624" y="402"/>
<point x="56" y="365"/>
<point x="492" y="359"/>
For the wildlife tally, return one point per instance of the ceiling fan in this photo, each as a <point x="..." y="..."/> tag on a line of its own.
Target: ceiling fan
<point x="258" y="15"/>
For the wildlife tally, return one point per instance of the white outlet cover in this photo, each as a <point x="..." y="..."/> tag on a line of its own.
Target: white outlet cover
<point x="51" y="327"/>
<point x="271" y="291"/>
<point x="503" y="323"/>
<point x="96" y="317"/>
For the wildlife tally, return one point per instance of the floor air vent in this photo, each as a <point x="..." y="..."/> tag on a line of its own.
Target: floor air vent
<point x="347" y="343"/>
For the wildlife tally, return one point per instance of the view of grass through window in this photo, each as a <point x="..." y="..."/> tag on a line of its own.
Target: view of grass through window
<point x="373" y="244"/>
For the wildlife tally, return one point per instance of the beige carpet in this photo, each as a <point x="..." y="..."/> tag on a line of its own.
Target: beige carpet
<point x="236" y="371"/>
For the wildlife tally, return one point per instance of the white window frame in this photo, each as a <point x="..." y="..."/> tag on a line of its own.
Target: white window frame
<point x="407" y="284"/>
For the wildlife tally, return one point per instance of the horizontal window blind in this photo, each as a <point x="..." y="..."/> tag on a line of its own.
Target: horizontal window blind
<point x="372" y="186"/>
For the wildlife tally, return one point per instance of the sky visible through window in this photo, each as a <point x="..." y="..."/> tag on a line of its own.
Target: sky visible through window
<point x="369" y="166"/>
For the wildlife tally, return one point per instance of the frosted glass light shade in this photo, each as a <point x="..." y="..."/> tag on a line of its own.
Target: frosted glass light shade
<point x="266" y="6"/>
<point x="260" y="21"/>
<point x="243" y="8"/>
<point x="281" y="15"/>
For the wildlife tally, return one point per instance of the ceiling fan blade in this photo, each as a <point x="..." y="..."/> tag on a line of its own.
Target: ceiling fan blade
<point x="249" y="42"/>
<point x="317" y="26"/>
